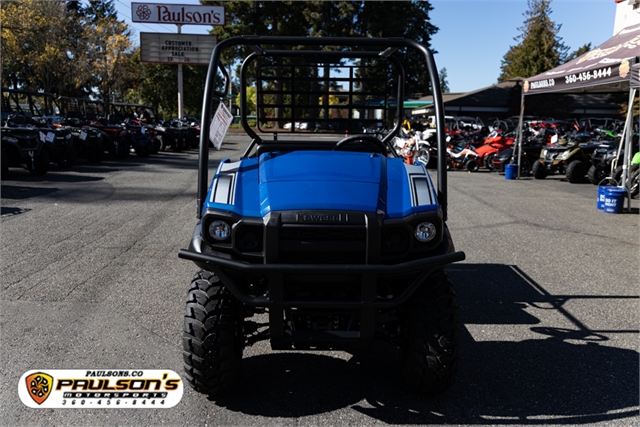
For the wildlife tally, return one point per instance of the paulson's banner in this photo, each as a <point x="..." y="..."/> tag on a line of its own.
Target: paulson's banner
<point x="100" y="388"/>
<point x="610" y="62"/>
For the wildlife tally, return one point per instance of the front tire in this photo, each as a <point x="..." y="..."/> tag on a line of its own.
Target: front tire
<point x="213" y="339"/>
<point x="39" y="165"/>
<point x="576" y="171"/>
<point x="539" y="171"/>
<point x="488" y="162"/>
<point x="430" y="339"/>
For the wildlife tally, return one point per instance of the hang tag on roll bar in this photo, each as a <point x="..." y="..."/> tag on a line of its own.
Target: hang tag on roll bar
<point x="220" y="125"/>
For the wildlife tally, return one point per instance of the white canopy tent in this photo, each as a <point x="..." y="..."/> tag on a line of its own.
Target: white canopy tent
<point x="611" y="67"/>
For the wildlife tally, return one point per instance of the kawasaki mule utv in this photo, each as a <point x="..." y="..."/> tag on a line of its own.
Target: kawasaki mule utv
<point x="333" y="236"/>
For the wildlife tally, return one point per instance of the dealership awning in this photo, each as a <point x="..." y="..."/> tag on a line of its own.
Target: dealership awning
<point x="604" y="69"/>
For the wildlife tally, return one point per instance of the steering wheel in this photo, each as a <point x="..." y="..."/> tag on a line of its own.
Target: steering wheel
<point x="368" y="139"/>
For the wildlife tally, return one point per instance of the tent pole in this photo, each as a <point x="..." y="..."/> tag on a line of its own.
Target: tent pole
<point x="628" y="148"/>
<point x="520" y="123"/>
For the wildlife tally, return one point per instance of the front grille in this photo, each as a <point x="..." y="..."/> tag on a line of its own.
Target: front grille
<point x="323" y="244"/>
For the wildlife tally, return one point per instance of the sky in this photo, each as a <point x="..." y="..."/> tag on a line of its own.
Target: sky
<point x="473" y="36"/>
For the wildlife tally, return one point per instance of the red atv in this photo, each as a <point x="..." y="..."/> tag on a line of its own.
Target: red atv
<point x="493" y="144"/>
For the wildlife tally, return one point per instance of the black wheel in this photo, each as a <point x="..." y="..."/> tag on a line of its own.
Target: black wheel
<point x="213" y="339"/>
<point x="472" y="165"/>
<point x="95" y="153"/>
<point x="178" y="144"/>
<point x="121" y="148"/>
<point x="5" y="165"/>
<point x="39" y="165"/>
<point x="594" y="175"/>
<point x="488" y="162"/>
<point x="539" y="171"/>
<point x="69" y="159"/>
<point x="163" y="142"/>
<point x="430" y="338"/>
<point x="364" y="138"/>
<point x="575" y="172"/>
<point x="144" y="150"/>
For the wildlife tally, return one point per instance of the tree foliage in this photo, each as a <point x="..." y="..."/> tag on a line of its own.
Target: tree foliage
<point x="539" y="48"/>
<point x="64" y="47"/>
<point x="579" y="52"/>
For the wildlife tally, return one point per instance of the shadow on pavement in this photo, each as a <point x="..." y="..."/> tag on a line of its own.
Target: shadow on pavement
<point x="534" y="381"/>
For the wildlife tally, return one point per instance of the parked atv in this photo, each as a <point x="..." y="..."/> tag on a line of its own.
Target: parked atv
<point x="566" y="157"/>
<point x="336" y="240"/>
<point x="22" y="146"/>
<point x="494" y="143"/>
<point x="602" y="159"/>
<point x="35" y="109"/>
<point x="530" y="154"/>
<point x="87" y="139"/>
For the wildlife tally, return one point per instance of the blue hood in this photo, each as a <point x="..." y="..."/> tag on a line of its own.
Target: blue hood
<point x="329" y="180"/>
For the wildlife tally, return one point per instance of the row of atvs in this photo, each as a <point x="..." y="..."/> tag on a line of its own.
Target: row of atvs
<point x="579" y="155"/>
<point x="38" y="130"/>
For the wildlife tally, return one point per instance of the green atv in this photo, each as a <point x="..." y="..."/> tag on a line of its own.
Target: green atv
<point x="569" y="158"/>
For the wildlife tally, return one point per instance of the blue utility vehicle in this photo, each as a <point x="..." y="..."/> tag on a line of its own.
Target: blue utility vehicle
<point x="315" y="240"/>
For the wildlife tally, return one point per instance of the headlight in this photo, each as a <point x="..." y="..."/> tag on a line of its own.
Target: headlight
<point x="564" y="155"/>
<point x="68" y="136"/>
<point x="543" y="153"/>
<point x="219" y="230"/>
<point x="425" y="232"/>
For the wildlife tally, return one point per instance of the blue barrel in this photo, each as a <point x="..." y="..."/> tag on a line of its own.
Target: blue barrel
<point x="614" y="199"/>
<point x="601" y="190"/>
<point x="510" y="171"/>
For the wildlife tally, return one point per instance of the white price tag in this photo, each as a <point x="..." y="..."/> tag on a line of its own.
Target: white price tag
<point x="220" y="125"/>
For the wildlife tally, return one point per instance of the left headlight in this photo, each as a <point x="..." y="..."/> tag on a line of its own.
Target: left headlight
<point x="219" y="230"/>
<point x="425" y="232"/>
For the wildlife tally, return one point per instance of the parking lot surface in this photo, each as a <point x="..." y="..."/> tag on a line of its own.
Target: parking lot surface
<point x="548" y="299"/>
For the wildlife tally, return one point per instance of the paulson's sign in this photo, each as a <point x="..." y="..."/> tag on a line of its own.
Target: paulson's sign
<point x="100" y="388"/>
<point x="179" y="14"/>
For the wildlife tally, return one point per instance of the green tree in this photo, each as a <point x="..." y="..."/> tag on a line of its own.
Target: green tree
<point x="34" y="44"/>
<point x="157" y="85"/>
<point x="444" y="84"/>
<point x="579" y="52"/>
<point x="539" y="48"/>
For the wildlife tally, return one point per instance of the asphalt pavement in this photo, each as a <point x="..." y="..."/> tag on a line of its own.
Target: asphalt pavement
<point x="548" y="299"/>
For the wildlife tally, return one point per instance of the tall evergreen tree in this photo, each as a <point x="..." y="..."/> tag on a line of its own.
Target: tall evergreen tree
<point x="539" y="48"/>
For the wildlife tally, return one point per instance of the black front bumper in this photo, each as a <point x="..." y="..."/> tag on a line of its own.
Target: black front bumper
<point x="366" y="301"/>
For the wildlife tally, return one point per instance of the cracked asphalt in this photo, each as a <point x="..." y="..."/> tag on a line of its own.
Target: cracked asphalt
<point x="548" y="299"/>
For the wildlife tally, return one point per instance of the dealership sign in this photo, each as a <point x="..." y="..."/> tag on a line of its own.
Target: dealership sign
<point x="179" y="14"/>
<point x="170" y="48"/>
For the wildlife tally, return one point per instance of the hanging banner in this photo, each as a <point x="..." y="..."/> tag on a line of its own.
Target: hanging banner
<point x="171" y="48"/>
<point x="179" y="14"/>
<point x="608" y="63"/>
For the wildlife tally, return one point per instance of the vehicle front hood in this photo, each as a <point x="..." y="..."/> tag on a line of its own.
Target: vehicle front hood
<point x="321" y="180"/>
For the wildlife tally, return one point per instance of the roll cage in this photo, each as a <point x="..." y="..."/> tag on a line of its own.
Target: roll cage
<point x="374" y="69"/>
